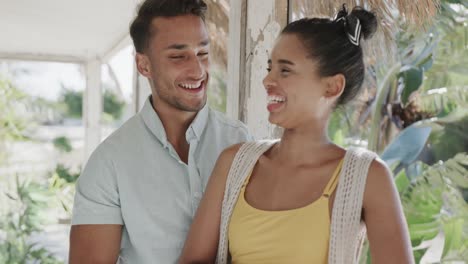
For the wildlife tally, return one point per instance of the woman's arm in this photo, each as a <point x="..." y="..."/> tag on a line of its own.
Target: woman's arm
<point x="386" y="225"/>
<point x="202" y="241"/>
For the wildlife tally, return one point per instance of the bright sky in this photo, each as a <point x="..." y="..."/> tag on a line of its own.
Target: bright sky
<point x="45" y="79"/>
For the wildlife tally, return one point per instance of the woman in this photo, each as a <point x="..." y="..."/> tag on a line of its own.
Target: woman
<point x="278" y="202"/>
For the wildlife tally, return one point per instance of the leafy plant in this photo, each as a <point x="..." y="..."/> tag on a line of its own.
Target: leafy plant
<point x="24" y="217"/>
<point x="444" y="101"/>
<point x="12" y="124"/>
<point x="73" y="101"/>
<point x="112" y="105"/>
<point x="22" y="208"/>
<point x="65" y="174"/>
<point x="433" y="203"/>
<point x="407" y="146"/>
<point x="217" y="91"/>
<point x="63" y="144"/>
<point x="451" y="137"/>
<point x="62" y="184"/>
<point x="426" y="60"/>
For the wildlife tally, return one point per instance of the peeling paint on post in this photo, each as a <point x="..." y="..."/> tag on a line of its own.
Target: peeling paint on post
<point x="265" y="19"/>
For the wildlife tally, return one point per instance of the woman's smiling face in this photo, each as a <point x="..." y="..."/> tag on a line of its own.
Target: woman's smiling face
<point x="295" y="90"/>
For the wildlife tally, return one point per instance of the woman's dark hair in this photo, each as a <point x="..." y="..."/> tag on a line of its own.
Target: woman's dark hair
<point x="331" y="43"/>
<point x="140" y="29"/>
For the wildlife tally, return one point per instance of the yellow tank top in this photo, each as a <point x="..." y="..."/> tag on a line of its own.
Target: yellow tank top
<point x="289" y="236"/>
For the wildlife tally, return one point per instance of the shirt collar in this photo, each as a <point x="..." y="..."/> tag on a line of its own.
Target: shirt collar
<point x="153" y="122"/>
<point x="199" y="123"/>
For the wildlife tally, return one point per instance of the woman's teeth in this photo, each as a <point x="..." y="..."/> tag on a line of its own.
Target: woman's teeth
<point x="275" y="99"/>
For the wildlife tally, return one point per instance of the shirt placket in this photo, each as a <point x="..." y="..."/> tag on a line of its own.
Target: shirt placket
<point x="194" y="175"/>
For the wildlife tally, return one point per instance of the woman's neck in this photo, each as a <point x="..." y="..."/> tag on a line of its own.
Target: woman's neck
<point x="305" y="144"/>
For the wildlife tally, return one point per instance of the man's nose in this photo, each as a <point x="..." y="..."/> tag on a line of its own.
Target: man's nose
<point x="197" y="69"/>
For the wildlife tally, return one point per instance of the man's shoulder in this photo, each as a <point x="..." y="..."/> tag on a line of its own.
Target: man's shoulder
<point x="122" y="137"/>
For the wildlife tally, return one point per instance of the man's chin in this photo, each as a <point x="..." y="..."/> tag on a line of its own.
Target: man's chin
<point x="191" y="107"/>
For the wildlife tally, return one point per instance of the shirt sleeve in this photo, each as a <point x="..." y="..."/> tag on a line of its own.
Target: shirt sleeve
<point x="97" y="198"/>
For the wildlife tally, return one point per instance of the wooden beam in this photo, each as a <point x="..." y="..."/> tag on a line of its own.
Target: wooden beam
<point x="41" y="57"/>
<point x="124" y="41"/>
<point x="236" y="56"/>
<point x="118" y="85"/>
<point x="265" y="20"/>
<point x="92" y="107"/>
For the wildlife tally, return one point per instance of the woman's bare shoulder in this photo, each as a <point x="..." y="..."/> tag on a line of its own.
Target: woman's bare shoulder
<point x="228" y="154"/>
<point x="379" y="181"/>
<point x="225" y="160"/>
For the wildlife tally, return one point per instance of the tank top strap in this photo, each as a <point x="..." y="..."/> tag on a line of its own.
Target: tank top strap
<point x="247" y="179"/>
<point x="333" y="181"/>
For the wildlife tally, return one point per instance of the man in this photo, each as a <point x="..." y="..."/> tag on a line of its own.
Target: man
<point x="141" y="187"/>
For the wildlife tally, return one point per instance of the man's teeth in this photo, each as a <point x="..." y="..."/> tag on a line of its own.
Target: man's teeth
<point x="275" y="99"/>
<point x="190" y="86"/>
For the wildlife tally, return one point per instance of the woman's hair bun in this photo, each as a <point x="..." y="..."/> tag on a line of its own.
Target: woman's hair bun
<point x="367" y="19"/>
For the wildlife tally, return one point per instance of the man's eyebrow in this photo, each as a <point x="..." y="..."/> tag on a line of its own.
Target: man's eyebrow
<point x="177" y="46"/>
<point x="184" y="46"/>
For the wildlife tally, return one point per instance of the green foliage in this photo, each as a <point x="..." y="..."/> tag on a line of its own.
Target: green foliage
<point x="455" y="247"/>
<point x="65" y="174"/>
<point x="407" y="145"/>
<point x="63" y="144"/>
<point x="436" y="59"/>
<point x="445" y="101"/>
<point x="22" y="209"/>
<point x="412" y="78"/>
<point x="428" y="79"/>
<point x="452" y="138"/>
<point x="25" y="216"/>
<point x="112" y="105"/>
<point x="73" y="101"/>
<point x="338" y="127"/>
<point x="451" y="63"/>
<point x="62" y="184"/>
<point x="11" y="123"/>
<point x="433" y="203"/>
<point x="217" y="91"/>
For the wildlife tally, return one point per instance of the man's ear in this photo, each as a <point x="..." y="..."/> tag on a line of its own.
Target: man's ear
<point x="335" y="86"/>
<point x="143" y="64"/>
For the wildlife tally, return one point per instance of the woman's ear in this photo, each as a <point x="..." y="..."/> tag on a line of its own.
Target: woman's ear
<point x="335" y="86"/>
<point x="143" y="65"/>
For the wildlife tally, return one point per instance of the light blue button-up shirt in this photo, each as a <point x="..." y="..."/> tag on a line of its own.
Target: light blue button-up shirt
<point x="135" y="178"/>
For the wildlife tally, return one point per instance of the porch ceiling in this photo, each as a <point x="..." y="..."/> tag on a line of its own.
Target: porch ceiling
<point x="63" y="29"/>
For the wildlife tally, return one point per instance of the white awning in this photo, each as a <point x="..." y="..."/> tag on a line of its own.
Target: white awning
<point x="64" y="30"/>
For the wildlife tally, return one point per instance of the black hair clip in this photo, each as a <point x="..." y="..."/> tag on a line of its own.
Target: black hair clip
<point x="352" y="25"/>
<point x="342" y="14"/>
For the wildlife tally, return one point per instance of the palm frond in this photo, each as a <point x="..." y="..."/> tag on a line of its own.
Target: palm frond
<point x="442" y="101"/>
<point x="433" y="203"/>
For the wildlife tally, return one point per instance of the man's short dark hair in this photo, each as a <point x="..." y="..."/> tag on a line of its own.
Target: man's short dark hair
<point x="140" y="29"/>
